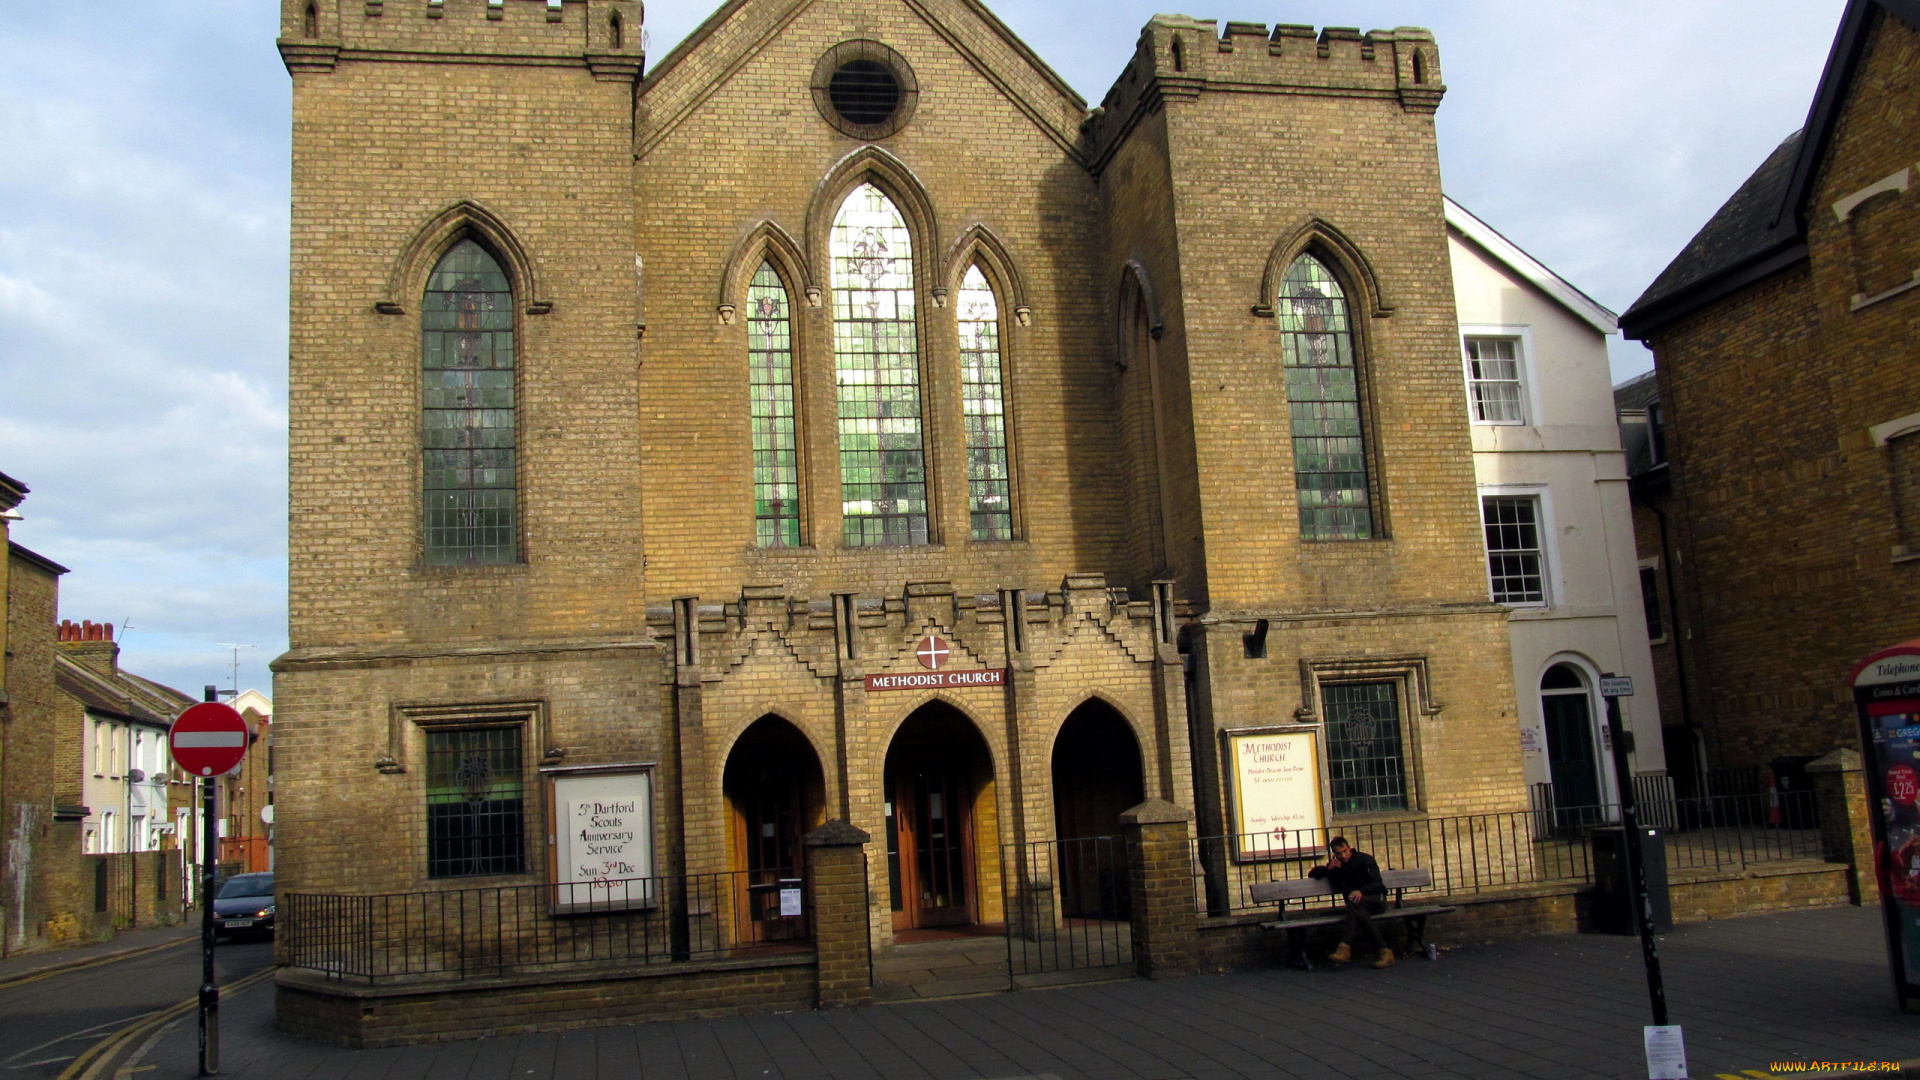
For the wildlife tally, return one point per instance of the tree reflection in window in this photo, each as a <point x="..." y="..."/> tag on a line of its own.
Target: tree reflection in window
<point x="469" y="474"/>
<point x="1323" y="396"/>
<point x="983" y="390"/>
<point x="876" y="349"/>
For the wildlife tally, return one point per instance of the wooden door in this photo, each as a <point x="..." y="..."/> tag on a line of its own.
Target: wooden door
<point x="930" y="844"/>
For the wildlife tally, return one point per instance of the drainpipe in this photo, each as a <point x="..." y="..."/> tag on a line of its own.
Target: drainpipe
<point x="1673" y="596"/>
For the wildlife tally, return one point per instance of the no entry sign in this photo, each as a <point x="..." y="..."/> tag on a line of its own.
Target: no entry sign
<point x="209" y="739"/>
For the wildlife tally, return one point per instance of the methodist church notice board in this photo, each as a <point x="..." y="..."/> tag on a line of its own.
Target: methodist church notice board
<point x="602" y="838"/>
<point x="1279" y="802"/>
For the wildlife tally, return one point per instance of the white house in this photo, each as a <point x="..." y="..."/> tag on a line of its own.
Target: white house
<point x="1553" y="487"/>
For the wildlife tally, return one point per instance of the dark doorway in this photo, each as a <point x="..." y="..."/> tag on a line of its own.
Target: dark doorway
<point x="1573" y="762"/>
<point x="1097" y="777"/>
<point x="775" y="794"/>
<point x="938" y="773"/>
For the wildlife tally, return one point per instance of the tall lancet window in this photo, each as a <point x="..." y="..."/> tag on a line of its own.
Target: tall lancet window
<point x="1323" y="395"/>
<point x="776" y="469"/>
<point x="468" y="411"/>
<point x="984" y="397"/>
<point x="876" y="345"/>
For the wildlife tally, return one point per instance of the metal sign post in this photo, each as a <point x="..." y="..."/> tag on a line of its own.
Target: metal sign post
<point x="208" y="741"/>
<point x="209" y="878"/>
<point x="1665" y="1045"/>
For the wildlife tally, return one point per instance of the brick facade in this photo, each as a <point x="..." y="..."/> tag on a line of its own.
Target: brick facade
<point x="1136" y="252"/>
<point x="1785" y="542"/>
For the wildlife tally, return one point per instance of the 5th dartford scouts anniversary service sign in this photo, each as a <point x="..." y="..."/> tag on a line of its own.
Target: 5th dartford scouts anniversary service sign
<point x="603" y="838"/>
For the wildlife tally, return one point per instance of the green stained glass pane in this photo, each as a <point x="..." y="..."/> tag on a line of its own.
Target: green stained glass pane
<point x="776" y="473"/>
<point x="468" y="411"/>
<point x="1323" y="395"/>
<point x="983" y="396"/>
<point x="877" y="367"/>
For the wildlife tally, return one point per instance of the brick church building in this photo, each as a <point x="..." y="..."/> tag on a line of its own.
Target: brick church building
<point x="840" y="419"/>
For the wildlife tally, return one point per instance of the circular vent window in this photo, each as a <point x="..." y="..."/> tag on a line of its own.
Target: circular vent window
<point x="864" y="89"/>
<point x="864" y="92"/>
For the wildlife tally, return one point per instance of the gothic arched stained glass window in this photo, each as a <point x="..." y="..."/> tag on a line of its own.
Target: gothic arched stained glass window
<point x="468" y="411"/>
<point x="876" y="347"/>
<point x="983" y="395"/>
<point x="1323" y="402"/>
<point x="776" y="468"/>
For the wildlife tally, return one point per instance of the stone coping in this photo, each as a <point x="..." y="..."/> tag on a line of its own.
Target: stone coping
<point x="314" y="982"/>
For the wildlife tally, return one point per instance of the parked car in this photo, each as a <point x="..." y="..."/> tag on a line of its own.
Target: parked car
<point x="244" y="905"/>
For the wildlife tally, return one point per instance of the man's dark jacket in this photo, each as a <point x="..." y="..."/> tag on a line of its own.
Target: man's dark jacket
<point x="1360" y="873"/>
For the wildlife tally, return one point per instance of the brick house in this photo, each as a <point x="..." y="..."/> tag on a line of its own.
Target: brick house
<point x="842" y="421"/>
<point x="1777" y="473"/>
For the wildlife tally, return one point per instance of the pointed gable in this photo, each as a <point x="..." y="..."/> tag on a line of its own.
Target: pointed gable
<point x="722" y="46"/>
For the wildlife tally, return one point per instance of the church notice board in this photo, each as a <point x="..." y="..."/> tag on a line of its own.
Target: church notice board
<point x="602" y="851"/>
<point x="1279" y="798"/>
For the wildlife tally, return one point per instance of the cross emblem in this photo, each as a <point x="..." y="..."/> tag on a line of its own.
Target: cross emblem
<point x="933" y="652"/>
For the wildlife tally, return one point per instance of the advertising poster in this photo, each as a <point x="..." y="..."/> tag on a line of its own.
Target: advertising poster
<point x="1279" y="801"/>
<point x="603" y="839"/>
<point x="1886" y="688"/>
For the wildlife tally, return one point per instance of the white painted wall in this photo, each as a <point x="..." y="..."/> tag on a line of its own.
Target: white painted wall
<point x="1568" y="454"/>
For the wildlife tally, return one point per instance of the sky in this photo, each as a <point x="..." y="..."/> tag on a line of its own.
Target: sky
<point x="144" y="211"/>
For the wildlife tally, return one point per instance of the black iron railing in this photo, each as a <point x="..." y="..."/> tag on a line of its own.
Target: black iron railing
<point x="1476" y="853"/>
<point x="475" y="933"/>
<point x="1068" y="905"/>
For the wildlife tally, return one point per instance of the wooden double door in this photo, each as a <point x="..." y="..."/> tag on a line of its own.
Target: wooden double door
<point x="930" y="839"/>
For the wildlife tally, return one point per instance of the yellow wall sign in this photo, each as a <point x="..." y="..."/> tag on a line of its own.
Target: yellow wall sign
<point x="1279" y="797"/>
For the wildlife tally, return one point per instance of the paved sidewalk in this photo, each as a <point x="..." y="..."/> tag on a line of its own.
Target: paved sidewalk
<point x="28" y="965"/>
<point x="1807" y="985"/>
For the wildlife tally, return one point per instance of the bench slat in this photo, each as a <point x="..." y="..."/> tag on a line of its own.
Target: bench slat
<point x="1271" y="892"/>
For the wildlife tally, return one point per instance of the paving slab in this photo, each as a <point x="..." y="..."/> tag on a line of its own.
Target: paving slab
<point x="1749" y="992"/>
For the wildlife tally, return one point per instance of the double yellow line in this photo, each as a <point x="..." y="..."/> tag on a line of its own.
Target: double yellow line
<point x="91" y="1064"/>
<point x="110" y="958"/>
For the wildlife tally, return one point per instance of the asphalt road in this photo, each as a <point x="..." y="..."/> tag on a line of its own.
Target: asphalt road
<point x="47" y="1023"/>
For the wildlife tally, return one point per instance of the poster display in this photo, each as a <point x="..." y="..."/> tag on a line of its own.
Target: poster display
<point x="1279" y="798"/>
<point x="603" y="838"/>
<point x="1886" y="691"/>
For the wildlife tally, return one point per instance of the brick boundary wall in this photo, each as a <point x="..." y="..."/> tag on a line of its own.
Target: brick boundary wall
<point x="366" y="1017"/>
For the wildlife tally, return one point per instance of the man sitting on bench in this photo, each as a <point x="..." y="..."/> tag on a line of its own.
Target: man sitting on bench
<point x="1355" y="875"/>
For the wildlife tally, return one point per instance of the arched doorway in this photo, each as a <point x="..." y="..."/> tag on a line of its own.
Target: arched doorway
<point x="1573" y="760"/>
<point x="940" y="816"/>
<point x="776" y="793"/>
<point x="1097" y="777"/>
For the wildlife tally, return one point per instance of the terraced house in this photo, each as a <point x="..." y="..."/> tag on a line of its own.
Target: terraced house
<point x="839" y="423"/>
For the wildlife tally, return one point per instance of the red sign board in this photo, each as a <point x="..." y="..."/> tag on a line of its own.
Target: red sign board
<point x="938" y="680"/>
<point x="209" y="739"/>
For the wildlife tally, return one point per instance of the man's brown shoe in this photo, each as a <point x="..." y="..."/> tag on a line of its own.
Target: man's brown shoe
<point x="1386" y="959"/>
<point x="1342" y="954"/>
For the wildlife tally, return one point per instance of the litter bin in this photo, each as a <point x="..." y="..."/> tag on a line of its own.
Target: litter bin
<point x="1613" y="907"/>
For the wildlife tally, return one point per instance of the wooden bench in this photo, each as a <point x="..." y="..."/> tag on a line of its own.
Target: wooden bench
<point x="1396" y="881"/>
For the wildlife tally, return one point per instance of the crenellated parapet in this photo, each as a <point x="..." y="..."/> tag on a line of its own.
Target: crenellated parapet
<point x="1180" y="58"/>
<point x="603" y="36"/>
